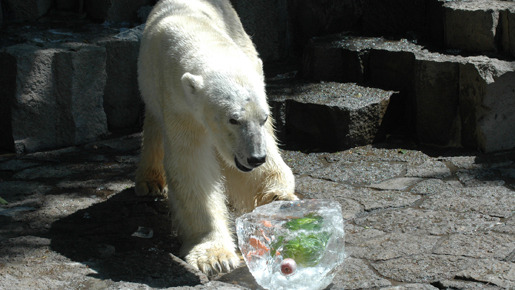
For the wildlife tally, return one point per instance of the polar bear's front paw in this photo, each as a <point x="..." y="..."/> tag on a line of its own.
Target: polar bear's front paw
<point x="274" y="196"/>
<point x="211" y="258"/>
<point x="150" y="188"/>
<point x="151" y="184"/>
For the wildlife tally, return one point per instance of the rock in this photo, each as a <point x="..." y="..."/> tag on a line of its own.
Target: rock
<point x="46" y="172"/>
<point x="466" y="285"/>
<point x="422" y="268"/>
<point x="427" y="221"/>
<point x="372" y="153"/>
<point x="508" y="29"/>
<point x="471" y="25"/>
<point x="69" y="5"/>
<point x="267" y="23"/>
<point x="13" y="191"/>
<point x="434" y="186"/>
<point x="308" y="188"/>
<point x="359" y="173"/>
<point x="496" y="201"/>
<point x="143" y="13"/>
<point x="28" y="10"/>
<point x="429" y="169"/>
<point x="479" y="177"/>
<point x="331" y="116"/>
<point x="343" y="58"/>
<point x="391" y="246"/>
<point x="491" y="272"/>
<point x="487" y="103"/>
<point x="122" y="101"/>
<point x="115" y="10"/>
<point x="356" y="274"/>
<point x="411" y="286"/>
<point x="335" y="58"/>
<point x="477" y="245"/>
<point x="399" y="183"/>
<point x="302" y="163"/>
<point x="1" y="14"/>
<point x="397" y="17"/>
<point x="436" y="85"/>
<point x="8" y="88"/>
<point x="458" y="101"/>
<point x="58" y="96"/>
<point x="392" y="63"/>
<point x="312" y="18"/>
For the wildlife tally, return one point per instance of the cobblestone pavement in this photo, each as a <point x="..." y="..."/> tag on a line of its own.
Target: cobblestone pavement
<point x="414" y="220"/>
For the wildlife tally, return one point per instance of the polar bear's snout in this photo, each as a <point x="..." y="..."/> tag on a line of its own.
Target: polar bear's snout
<point x="255" y="161"/>
<point x="252" y="162"/>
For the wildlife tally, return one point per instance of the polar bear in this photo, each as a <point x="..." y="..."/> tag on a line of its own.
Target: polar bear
<point x="208" y="134"/>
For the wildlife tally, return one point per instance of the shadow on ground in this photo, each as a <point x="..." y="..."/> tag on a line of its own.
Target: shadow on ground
<point x="100" y="236"/>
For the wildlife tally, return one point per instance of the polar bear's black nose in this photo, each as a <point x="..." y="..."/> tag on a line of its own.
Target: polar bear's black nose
<point x="256" y="161"/>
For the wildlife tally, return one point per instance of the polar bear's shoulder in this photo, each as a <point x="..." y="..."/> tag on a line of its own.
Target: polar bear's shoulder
<point x="201" y="18"/>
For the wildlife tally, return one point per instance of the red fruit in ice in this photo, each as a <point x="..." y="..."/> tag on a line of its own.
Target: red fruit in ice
<point x="288" y="266"/>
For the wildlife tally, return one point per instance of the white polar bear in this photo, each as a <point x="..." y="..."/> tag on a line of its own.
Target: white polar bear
<point x="207" y="126"/>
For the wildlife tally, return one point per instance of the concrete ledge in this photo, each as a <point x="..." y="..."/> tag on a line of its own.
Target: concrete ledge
<point x="115" y="10"/>
<point x="122" y="101"/>
<point x="487" y="103"/>
<point x="452" y="96"/>
<point x="478" y="26"/>
<point x="395" y="17"/>
<point x="327" y="116"/>
<point x="70" y="87"/>
<point x="58" y="96"/>
<point x="27" y="10"/>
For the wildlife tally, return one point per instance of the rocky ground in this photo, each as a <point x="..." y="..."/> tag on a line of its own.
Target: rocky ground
<point x="414" y="220"/>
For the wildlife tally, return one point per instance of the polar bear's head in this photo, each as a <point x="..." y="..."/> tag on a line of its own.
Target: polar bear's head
<point x="234" y="110"/>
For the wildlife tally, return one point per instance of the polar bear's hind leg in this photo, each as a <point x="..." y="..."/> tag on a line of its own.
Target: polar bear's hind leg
<point x="150" y="176"/>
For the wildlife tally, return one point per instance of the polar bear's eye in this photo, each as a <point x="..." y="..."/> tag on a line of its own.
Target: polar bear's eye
<point x="234" y="121"/>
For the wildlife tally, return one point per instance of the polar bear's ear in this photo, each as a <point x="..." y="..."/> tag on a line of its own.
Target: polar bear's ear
<point x="259" y="66"/>
<point x="191" y="84"/>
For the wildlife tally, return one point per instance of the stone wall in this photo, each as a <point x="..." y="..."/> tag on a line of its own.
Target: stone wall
<point x="69" y="66"/>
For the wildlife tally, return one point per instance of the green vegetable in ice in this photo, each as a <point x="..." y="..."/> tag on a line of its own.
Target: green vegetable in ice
<point x="308" y="245"/>
<point x="310" y="222"/>
<point x="306" y="249"/>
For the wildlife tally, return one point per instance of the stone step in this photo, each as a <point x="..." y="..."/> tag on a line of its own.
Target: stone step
<point x="473" y="26"/>
<point x="327" y="116"/>
<point x="98" y="10"/>
<point x="27" y="10"/>
<point x="115" y="10"/>
<point x="62" y="87"/>
<point x="457" y="101"/>
<point x="479" y="26"/>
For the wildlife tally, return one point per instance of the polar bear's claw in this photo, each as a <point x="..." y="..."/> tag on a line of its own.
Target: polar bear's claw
<point x="151" y="188"/>
<point x="212" y="260"/>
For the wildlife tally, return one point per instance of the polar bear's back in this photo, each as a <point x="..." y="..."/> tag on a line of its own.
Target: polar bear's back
<point x="183" y="36"/>
<point x="188" y="22"/>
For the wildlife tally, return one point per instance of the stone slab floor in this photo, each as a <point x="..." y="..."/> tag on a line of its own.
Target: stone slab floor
<point x="414" y="220"/>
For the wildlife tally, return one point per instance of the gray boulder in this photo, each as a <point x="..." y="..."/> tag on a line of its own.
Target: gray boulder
<point x="395" y="17"/>
<point x="267" y="23"/>
<point x="436" y="99"/>
<point x="487" y="103"/>
<point x="57" y="100"/>
<point x="27" y="10"/>
<point x="508" y="30"/>
<point x="115" y="10"/>
<point x="475" y="25"/>
<point x="328" y="116"/>
<point x="122" y="101"/>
